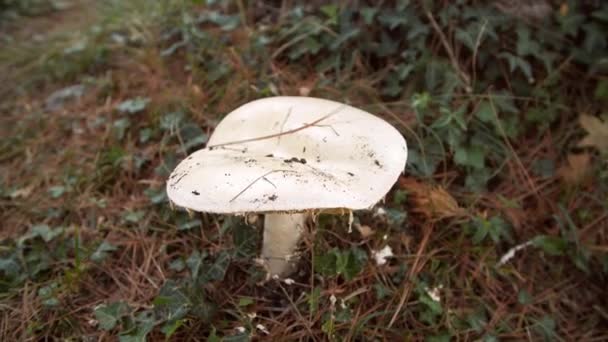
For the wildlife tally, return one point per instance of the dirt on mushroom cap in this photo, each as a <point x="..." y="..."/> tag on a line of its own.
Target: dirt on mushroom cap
<point x="291" y="154"/>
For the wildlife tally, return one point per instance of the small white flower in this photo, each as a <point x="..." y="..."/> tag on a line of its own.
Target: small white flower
<point x="252" y="315"/>
<point x="381" y="255"/>
<point x="275" y="276"/>
<point x="434" y="293"/>
<point x="342" y="304"/>
<point x="379" y="212"/>
<point x="240" y="330"/>
<point x="333" y="300"/>
<point x="289" y="281"/>
<point x="262" y="328"/>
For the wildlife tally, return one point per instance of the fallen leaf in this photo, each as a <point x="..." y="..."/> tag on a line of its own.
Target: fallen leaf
<point x="564" y="9"/>
<point x="364" y="230"/>
<point x="430" y="200"/>
<point x="576" y="169"/>
<point x="304" y="91"/>
<point x="597" y="133"/>
<point x="23" y="192"/>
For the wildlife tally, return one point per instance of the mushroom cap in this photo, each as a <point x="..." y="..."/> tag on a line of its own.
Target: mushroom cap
<point x="287" y="154"/>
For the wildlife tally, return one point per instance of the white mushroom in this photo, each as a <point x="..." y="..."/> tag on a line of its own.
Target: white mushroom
<point x="285" y="157"/>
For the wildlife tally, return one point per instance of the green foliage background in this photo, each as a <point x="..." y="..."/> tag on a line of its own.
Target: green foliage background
<point x="488" y="101"/>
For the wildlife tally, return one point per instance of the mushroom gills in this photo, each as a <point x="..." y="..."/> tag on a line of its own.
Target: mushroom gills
<point x="282" y="231"/>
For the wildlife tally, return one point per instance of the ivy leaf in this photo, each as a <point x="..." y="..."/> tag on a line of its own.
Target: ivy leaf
<point x="524" y="298"/>
<point x="245" y="301"/>
<point x="466" y="38"/>
<point x="387" y="47"/>
<point x="344" y="37"/>
<point x="325" y="264"/>
<point x="393" y="86"/>
<point x="134" y="216"/>
<point x="357" y="259"/>
<point x="550" y="244"/>
<point x="57" y="191"/>
<point x="395" y="217"/>
<point x="597" y="133"/>
<point x="172" y="303"/>
<point x="194" y="262"/>
<point x="472" y="156"/>
<point x="188" y="224"/>
<point x="171" y="327"/>
<point x="485" y="112"/>
<point x="516" y="62"/>
<point x="134" y="105"/>
<point x="47" y="234"/>
<point x="102" y="251"/>
<point x="526" y="45"/>
<point x="310" y="45"/>
<point x="544" y="167"/>
<point x="546" y="327"/>
<point x="392" y="19"/>
<point x="42" y="231"/>
<point x="120" y="127"/>
<point x="144" y="324"/>
<point x="226" y="22"/>
<point x="425" y="164"/>
<point x="217" y="270"/>
<point x="171" y="121"/>
<point x="495" y="227"/>
<point x="240" y="337"/>
<point x="347" y="263"/>
<point x="245" y="240"/>
<point x="601" y="14"/>
<point x="108" y="315"/>
<point x="331" y="11"/>
<point x="368" y="14"/>
<point x="48" y="294"/>
<point x="595" y="38"/>
<point x="477" y="320"/>
<point x="10" y="267"/>
<point x="601" y="91"/>
<point x="193" y="136"/>
<point x="177" y="265"/>
<point x="504" y="102"/>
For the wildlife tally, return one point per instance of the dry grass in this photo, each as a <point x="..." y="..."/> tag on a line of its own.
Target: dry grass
<point x="50" y="148"/>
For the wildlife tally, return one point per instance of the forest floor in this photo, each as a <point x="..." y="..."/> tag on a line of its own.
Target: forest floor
<point x="97" y="106"/>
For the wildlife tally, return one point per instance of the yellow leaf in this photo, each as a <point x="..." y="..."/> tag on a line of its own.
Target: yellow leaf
<point x="564" y="9"/>
<point x="432" y="201"/>
<point x="577" y="168"/>
<point x="366" y="231"/>
<point x="597" y="133"/>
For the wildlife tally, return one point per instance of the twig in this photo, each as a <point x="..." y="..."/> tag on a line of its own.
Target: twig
<point x="476" y="50"/>
<point x="298" y="313"/>
<point x="257" y="179"/>
<point x="314" y="123"/>
<point x="533" y="185"/>
<point x="271" y="183"/>
<point x="446" y="45"/>
<point x="330" y="127"/>
<point x="407" y="289"/>
<point x="283" y="125"/>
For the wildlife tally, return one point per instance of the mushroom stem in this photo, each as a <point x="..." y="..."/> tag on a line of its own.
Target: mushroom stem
<point x="281" y="235"/>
